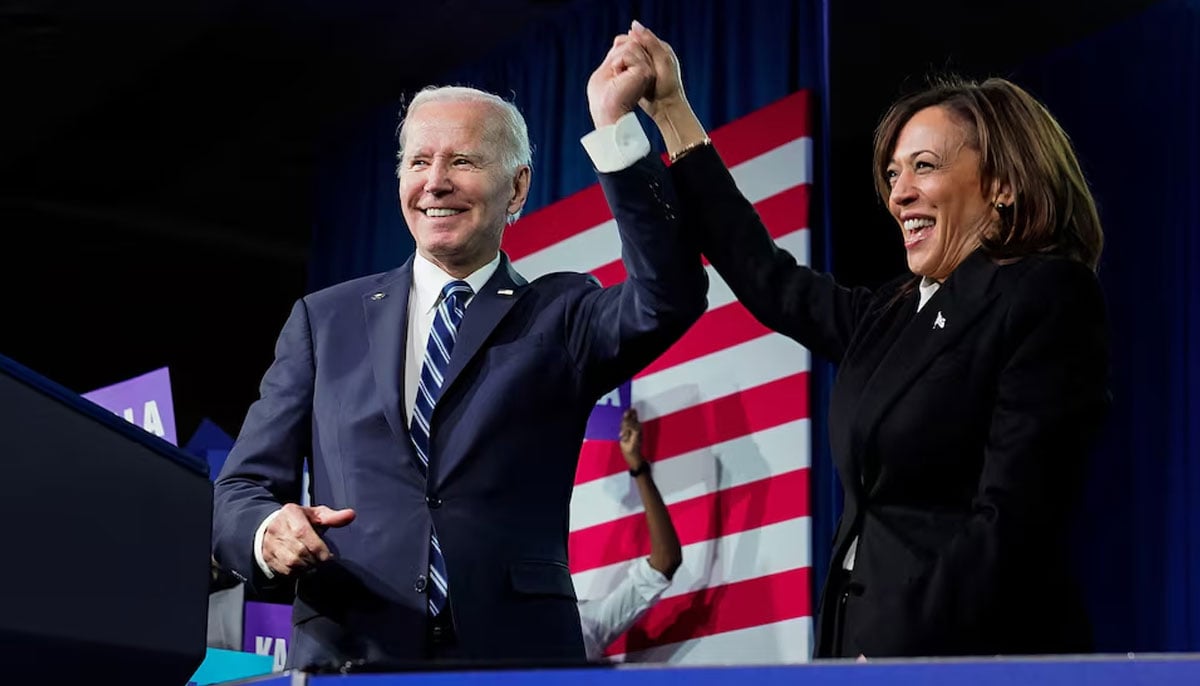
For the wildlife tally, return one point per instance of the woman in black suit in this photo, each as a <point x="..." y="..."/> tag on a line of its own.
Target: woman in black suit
<point x="968" y="392"/>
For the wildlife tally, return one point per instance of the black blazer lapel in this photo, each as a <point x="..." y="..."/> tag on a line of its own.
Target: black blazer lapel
<point x="857" y="371"/>
<point x="386" y="310"/>
<point x="943" y="320"/>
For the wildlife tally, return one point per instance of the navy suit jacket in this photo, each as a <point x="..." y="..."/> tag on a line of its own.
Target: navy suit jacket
<point x="525" y="373"/>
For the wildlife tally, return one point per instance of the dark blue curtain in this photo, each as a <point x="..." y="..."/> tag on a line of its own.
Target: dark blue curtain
<point x="357" y="226"/>
<point x="1130" y="98"/>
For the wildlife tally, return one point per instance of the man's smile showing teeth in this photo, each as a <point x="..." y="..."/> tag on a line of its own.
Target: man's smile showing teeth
<point x="440" y="212"/>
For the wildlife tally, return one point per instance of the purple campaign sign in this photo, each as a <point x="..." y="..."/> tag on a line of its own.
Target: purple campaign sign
<point x="605" y="421"/>
<point x="144" y="400"/>
<point x="267" y="629"/>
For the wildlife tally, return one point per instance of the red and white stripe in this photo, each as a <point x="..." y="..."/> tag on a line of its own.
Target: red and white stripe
<point x="725" y="417"/>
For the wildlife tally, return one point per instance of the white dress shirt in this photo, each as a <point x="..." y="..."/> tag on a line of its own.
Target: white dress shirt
<point x="423" y="300"/>
<point x="927" y="288"/>
<point x="604" y="619"/>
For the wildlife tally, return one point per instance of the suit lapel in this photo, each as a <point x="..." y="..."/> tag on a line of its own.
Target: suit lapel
<point x="386" y="308"/>
<point x="487" y="308"/>
<point x="943" y="320"/>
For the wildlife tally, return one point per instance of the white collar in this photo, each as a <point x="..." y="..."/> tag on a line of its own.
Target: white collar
<point x="927" y="287"/>
<point x="429" y="279"/>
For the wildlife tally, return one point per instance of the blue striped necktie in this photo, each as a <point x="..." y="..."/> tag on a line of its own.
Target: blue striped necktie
<point x="433" y="371"/>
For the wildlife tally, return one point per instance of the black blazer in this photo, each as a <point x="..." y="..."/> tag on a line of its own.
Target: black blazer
<point x="530" y="362"/>
<point x="960" y="433"/>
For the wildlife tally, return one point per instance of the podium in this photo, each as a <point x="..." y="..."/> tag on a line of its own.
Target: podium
<point x="106" y="545"/>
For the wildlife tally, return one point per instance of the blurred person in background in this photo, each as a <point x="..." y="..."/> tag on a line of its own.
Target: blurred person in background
<point x="606" y="618"/>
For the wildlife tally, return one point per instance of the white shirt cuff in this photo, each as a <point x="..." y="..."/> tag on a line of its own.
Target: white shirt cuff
<point x="258" y="544"/>
<point x="617" y="146"/>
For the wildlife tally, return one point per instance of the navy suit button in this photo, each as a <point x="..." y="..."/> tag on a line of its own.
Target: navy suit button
<point x="433" y="501"/>
<point x="419" y="586"/>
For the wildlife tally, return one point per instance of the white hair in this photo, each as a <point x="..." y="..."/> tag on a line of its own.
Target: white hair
<point x="506" y="131"/>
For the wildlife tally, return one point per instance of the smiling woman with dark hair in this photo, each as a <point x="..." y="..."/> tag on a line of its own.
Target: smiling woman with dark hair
<point x="1018" y="152"/>
<point x="968" y="391"/>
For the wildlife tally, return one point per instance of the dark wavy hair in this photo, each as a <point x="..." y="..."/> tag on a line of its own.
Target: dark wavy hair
<point x="1019" y="143"/>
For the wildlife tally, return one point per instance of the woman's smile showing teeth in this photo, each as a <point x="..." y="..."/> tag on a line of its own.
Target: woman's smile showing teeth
<point x="917" y="230"/>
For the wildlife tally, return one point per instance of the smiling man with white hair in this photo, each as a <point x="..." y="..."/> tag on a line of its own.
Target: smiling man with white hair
<point x="442" y="404"/>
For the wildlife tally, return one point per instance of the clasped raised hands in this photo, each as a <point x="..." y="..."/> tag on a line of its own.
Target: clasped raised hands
<point x="624" y="77"/>
<point x="642" y="70"/>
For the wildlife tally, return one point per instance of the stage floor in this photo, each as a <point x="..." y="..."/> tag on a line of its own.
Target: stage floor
<point x="1090" y="670"/>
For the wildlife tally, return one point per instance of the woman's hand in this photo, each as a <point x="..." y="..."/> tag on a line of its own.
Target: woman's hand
<point x="667" y="92"/>
<point x="665" y="101"/>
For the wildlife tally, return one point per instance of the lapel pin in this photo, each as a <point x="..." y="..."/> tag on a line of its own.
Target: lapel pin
<point x="378" y="296"/>
<point x="504" y="291"/>
<point x="939" y="322"/>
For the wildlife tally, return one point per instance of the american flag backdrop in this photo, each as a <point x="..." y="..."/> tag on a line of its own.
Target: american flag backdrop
<point x="725" y="418"/>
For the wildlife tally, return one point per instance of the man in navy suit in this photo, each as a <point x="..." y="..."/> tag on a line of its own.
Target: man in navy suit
<point x="441" y="489"/>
